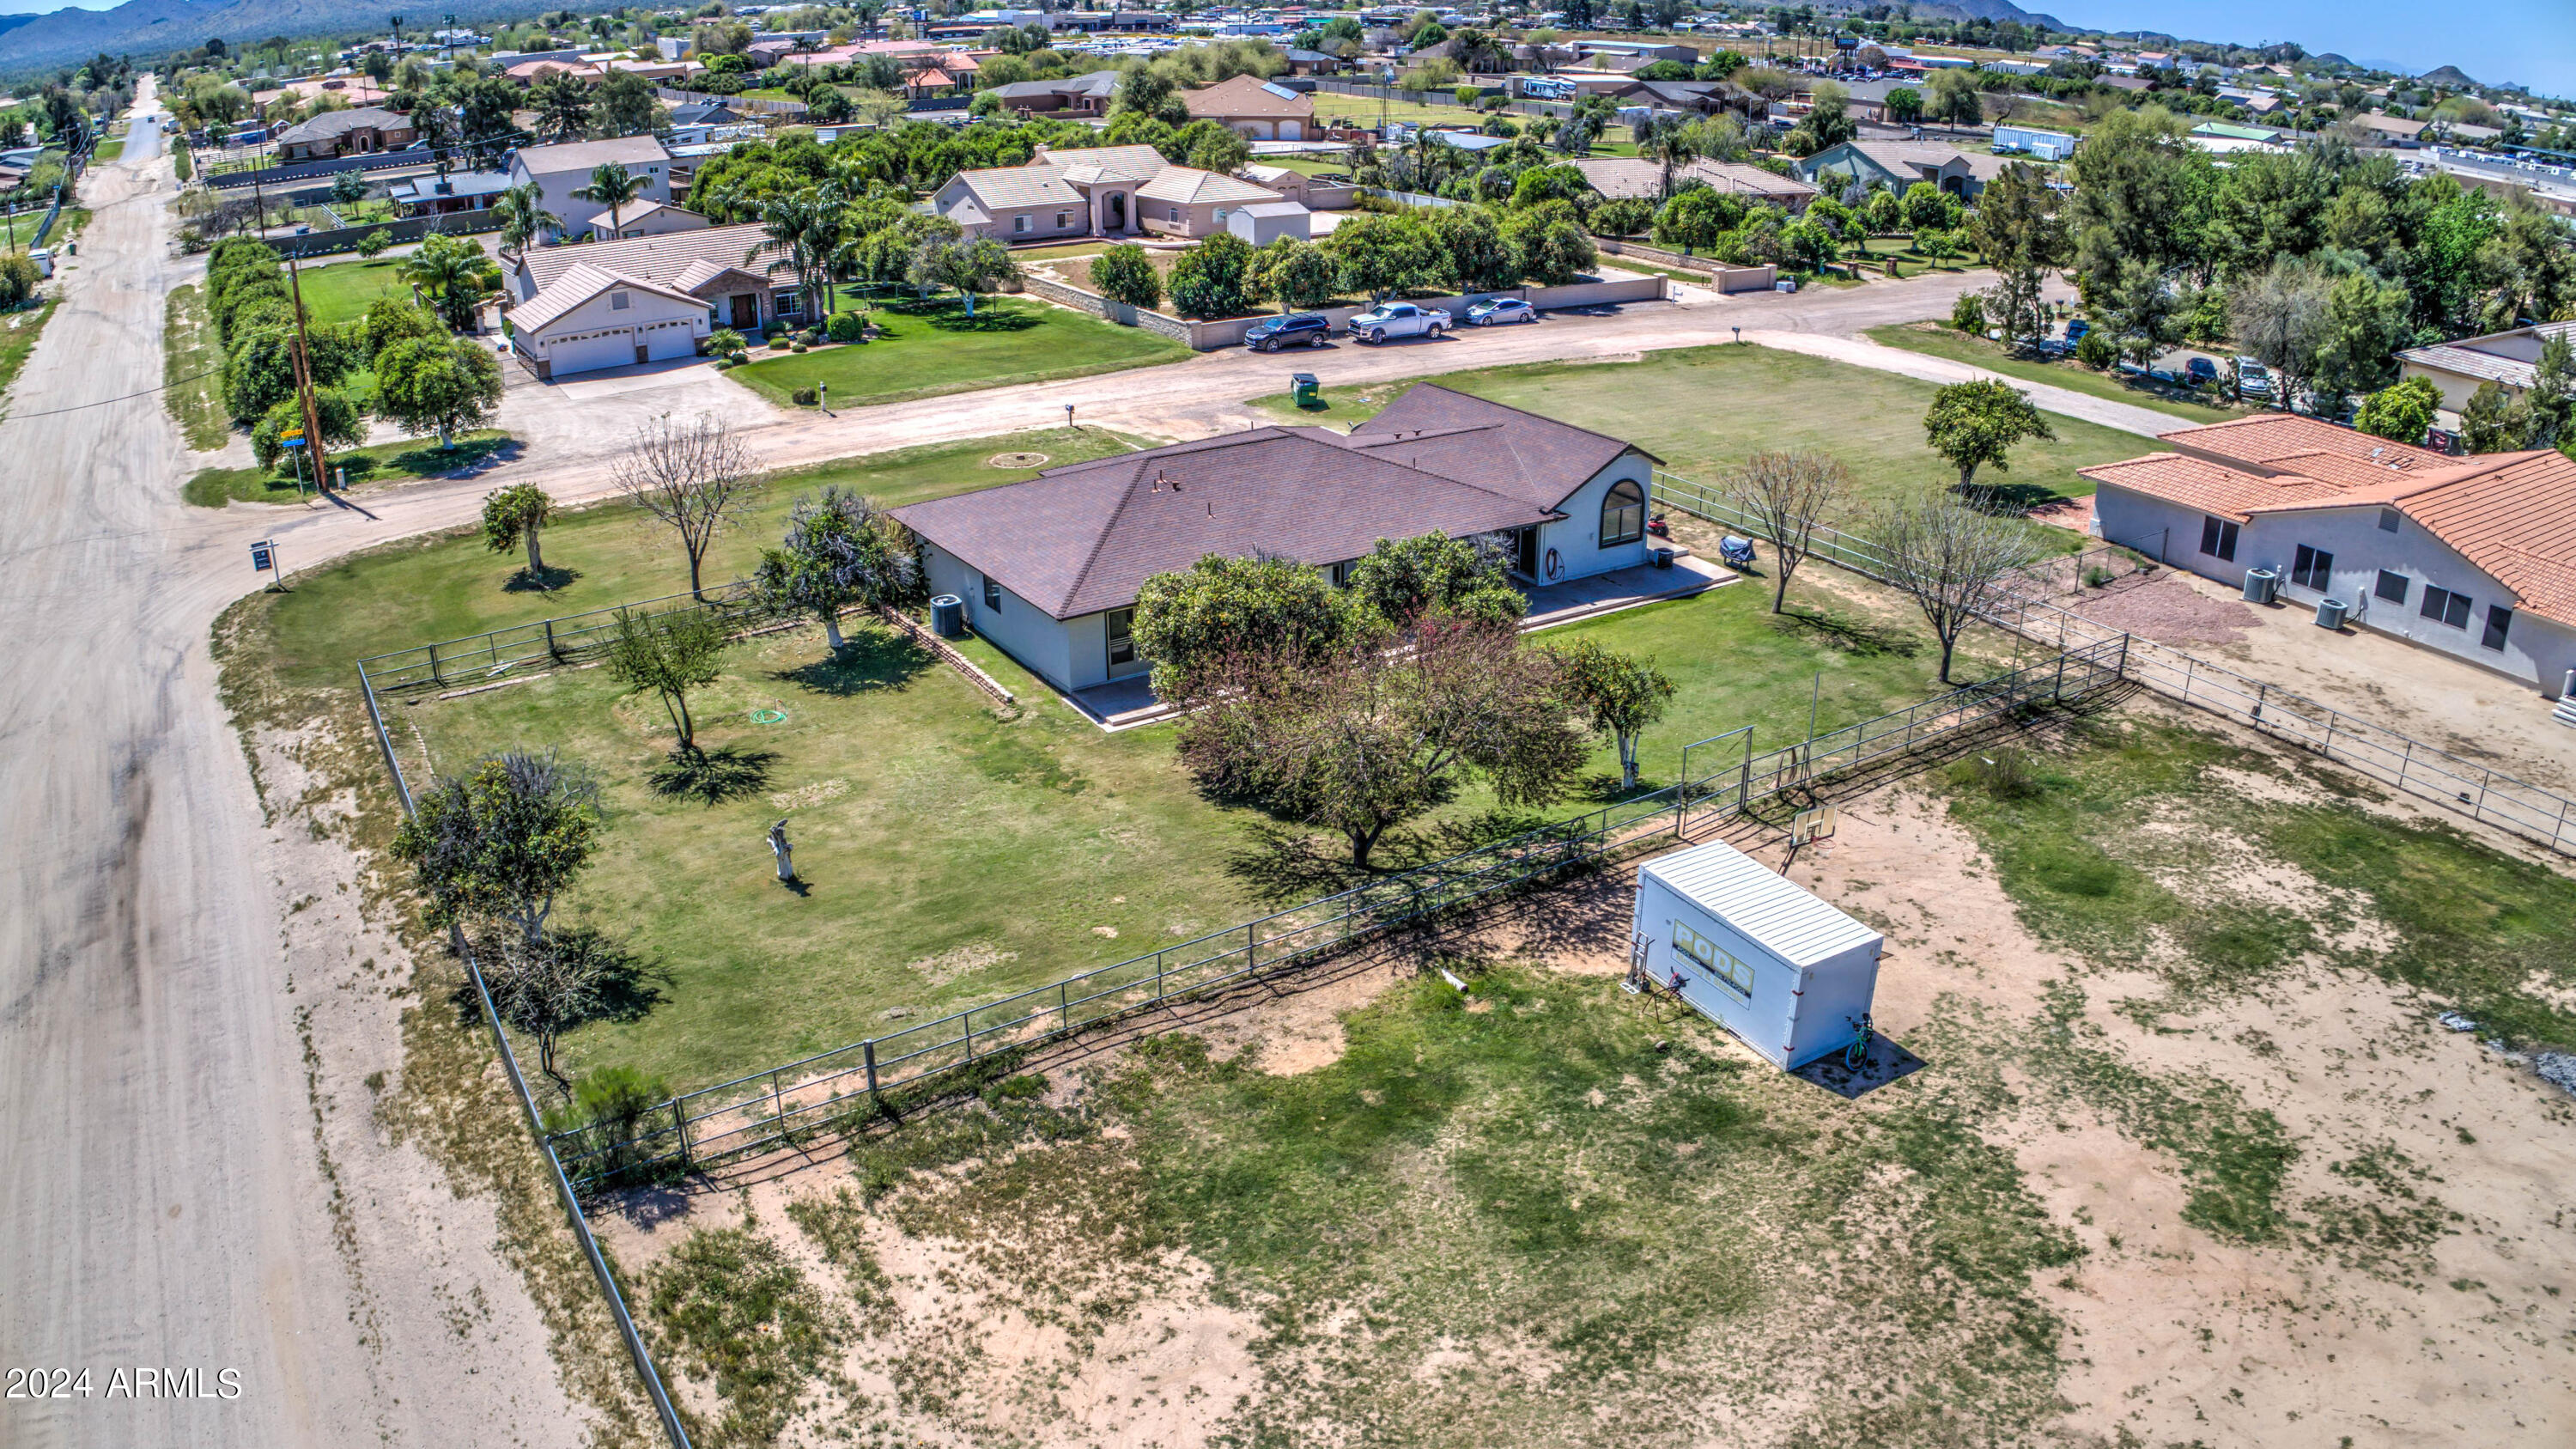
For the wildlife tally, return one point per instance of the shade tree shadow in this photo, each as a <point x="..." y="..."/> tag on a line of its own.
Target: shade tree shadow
<point x="522" y="581"/>
<point x="712" y="777"/>
<point x="868" y="662"/>
<point x="1846" y="634"/>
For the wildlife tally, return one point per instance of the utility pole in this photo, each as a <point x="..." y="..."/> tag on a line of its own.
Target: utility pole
<point x="304" y="379"/>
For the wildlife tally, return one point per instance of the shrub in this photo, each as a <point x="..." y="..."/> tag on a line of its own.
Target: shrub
<point x="846" y="327"/>
<point x="723" y="363"/>
<point x="1124" y="273"/>
<point x="1214" y="278"/>
<point x="798" y="346"/>
<point x="724" y="342"/>
<point x="803" y="397"/>
<point x="779" y="343"/>
<point x="1623" y="216"/>
<point x="2096" y="577"/>
<point x="374" y="242"/>
<point x="1968" y="314"/>
<point x="18" y="280"/>
<point x="2400" y="413"/>
<point x="2097" y="351"/>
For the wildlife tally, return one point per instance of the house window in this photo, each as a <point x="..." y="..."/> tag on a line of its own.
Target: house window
<point x="2313" y="568"/>
<point x="1175" y="212"/>
<point x="992" y="593"/>
<point x="2388" y="520"/>
<point x="1623" y="514"/>
<point x="1063" y="219"/>
<point x="1019" y="223"/>
<point x="620" y="301"/>
<point x="2391" y="587"/>
<point x="787" y="303"/>
<point x="2499" y="619"/>
<point x="1724" y="969"/>
<point x="2218" y="538"/>
<point x="2444" y="607"/>
<point x="1122" y="637"/>
<point x="1342" y="573"/>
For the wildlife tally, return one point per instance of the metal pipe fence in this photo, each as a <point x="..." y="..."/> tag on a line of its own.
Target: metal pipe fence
<point x="645" y="1368"/>
<point x="730" y="1120"/>
<point x="547" y="643"/>
<point x="2386" y="756"/>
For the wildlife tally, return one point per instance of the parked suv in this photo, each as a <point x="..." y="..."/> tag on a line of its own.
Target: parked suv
<point x="1301" y="329"/>
<point x="1399" y="319"/>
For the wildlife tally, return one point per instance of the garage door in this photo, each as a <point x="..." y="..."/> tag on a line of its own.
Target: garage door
<point x="667" y="340"/>
<point x="589" y="354"/>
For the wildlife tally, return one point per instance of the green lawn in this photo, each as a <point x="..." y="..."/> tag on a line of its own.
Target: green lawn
<point x="411" y="593"/>
<point x="190" y="370"/>
<point x="934" y="347"/>
<point x="108" y="150"/>
<point x="1937" y="340"/>
<point x="375" y="463"/>
<point x="18" y="334"/>
<point x="1881" y="249"/>
<point x="19" y="232"/>
<point x="1703" y="410"/>
<point x="342" y="291"/>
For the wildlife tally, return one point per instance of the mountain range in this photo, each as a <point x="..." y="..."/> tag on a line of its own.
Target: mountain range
<point x="150" y="29"/>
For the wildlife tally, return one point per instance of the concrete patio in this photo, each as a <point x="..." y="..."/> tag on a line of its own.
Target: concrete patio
<point x="1123" y="704"/>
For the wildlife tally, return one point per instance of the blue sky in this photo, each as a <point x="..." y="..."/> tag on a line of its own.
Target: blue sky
<point x="2530" y="41"/>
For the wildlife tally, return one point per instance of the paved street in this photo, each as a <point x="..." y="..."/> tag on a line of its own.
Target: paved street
<point x="188" y="1181"/>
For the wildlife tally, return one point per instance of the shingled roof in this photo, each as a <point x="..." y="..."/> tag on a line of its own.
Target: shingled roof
<point x="659" y="258"/>
<point x="1537" y="460"/>
<point x="1082" y="538"/>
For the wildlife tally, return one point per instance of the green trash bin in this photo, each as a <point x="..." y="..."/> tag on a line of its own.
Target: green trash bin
<point x="1310" y="393"/>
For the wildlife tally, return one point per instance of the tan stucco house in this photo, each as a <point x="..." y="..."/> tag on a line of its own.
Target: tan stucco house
<point x="1262" y="110"/>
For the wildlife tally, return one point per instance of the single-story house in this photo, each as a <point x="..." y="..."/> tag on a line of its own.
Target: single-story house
<point x="2510" y="360"/>
<point x="1259" y="109"/>
<point x="353" y="132"/>
<point x="1065" y="98"/>
<point x="438" y="195"/>
<point x="1050" y="568"/>
<point x="678" y="287"/>
<point x="1093" y="191"/>
<point x="1902" y="163"/>
<point x="704" y="113"/>
<point x="1616" y="176"/>
<point x="559" y="171"/>
<point x="2473" y="557"/>
<point x="2046" y="145"/>
<point x="652" y="218"/>
<point x="1312" y="62"/>
<point x="1297" y="186"/>
<point x="1263" y="222"/>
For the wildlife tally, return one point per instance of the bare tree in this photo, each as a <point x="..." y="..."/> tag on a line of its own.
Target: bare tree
<point x="1951" y="558"/>
<point x="1789" y="496"/>
<point x="558" y="980"/>
<point x="695" y="476"/>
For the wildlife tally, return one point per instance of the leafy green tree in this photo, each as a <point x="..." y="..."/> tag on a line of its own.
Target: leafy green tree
<point x="1400" y="582"/>
<point x="562" y="102"/>
<point x="514" y="515"/>
<point x="2141" y="194"/>
<point x="2365" y="326"/>
<point x="446" y="387"/>
<point x="1624" y="216"/>
<point x="841" y="551"/>
<point x="2280" y="318"/>
<point x="343" y="425"/>
<point x="1924" y="205"/>
<point x="448" y="271"/>
<point x="1952" y="97"/>
<point x="1618" y="694"/>
<point x="1551" y="244"/>
<point x="1472" y="245"/>
<point x="1883" y="213"/>
<point x="2019" y="232"/>
<point x="2551" y="400"/>
<point x="2401" y="412"/>
<point x="971" y="265"/>
<point x="2140" y="314"/>
<point x="1381" y="255"/>
<point x="1297" y="274"/>
<point x="1550" y="183"/>
<point x="1975" y="424"/>
<point x="390" y="320"/>
<point x="669" y="653"/>
<point x="373" y="244"/>
<point x="1190" y="623"/>
<point x="1123" y="273"/>
<point x="626" y="106"/>
<point x="2494" y="421"/>
<point x="1215" y="278"/>
<point x="348" y="189"/>
<point x="1696" y="217"/>
<point x="1968" y="314"/>
<point x="1810" y="245"/>
<point x="1215" y="147"/>
<point x="1905" y="105"/>
<point x="501" y="840"/>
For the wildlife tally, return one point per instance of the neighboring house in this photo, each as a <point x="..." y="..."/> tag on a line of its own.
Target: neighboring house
<point x="1050" y="568"/>
<point x="437" y="196"/>
<point x="1301" y="188"/>
<point x="2511" y="360"/>
<point x="1259" y="109"/>
<point x="1093" y="191"/>
<point x="1264" y="222"/>
<point x="700" y="114"/>
<point x="1902" y="163"/>
<point x="678" y="285"/>
<point x="653" y="218"/>
<point x="354" y="132"/>
<point x="559" y="171"/>
<point x="1312" y="62"/>
<point x="2475" y="557"/>
<point x="1617" y="176"/>
<point x="2046" y="145"/>
<point x="1066" y="98"/>
<point x="529" y="72"/>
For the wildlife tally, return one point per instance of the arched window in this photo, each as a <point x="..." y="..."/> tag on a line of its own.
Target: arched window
<point x="1623" y="514"/>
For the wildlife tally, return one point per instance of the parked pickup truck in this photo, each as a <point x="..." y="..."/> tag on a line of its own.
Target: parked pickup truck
<point x="1399" y="319"/>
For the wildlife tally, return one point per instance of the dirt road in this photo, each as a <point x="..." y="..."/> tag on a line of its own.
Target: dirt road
<point x="188" y="1186"/>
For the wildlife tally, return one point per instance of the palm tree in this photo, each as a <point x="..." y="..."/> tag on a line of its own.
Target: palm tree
<point x="1666" y="139"/>
<point x="799" y="233"/>
<point x="612" y="186"/>
<point x="450" y="274"/>
<point x="523" y="215"/>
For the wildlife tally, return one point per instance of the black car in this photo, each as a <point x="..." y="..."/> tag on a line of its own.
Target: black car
<point x="1302" y="329"/>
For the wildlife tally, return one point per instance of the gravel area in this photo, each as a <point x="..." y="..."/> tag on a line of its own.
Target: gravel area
<point x="2163" y="608"/>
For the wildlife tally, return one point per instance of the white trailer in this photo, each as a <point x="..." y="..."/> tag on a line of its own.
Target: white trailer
<point x="1760" y="955"/>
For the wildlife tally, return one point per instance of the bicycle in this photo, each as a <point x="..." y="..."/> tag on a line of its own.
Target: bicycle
<point x="1857" y="1054"/>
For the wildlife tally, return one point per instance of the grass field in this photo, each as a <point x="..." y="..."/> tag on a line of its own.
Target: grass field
<point x="375" y="463"/>
<point x="1704" y="410"/>
<point x="190" y="370"/>
<point x="1940" y="341"/>
<point x="19" y="232"/>
<point x="342" y="291"/>
<point x="108" y="150"/>
<point x="933" y="347"/>
<point x="18" y="336"/>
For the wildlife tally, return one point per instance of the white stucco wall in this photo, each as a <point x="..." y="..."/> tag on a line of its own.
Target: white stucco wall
<point x="579" y="216"/>
<point x="2536" y="651"/>
<point x="645" y="310"/>
<point x="1018" y="628"/>
<point x="1577" y="536"/>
